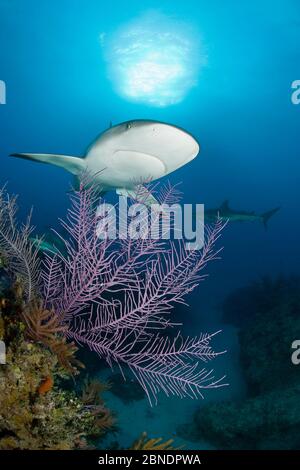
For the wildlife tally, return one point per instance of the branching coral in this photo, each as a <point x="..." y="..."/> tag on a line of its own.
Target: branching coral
<point x="42" y="324"/>
<point x="66" y="354"/>
<point x="115" y="297"/>
<point x="92" y="391"/>
<point x="144" y="443"/>
<point x="19" y="254"/>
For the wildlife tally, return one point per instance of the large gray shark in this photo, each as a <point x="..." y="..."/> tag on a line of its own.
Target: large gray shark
<point x="226" y="213"/>
<point x="127" y="154"/>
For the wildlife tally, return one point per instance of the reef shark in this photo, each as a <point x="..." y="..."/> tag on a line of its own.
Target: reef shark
<point x="44" y="246"/>
<point x="226" y="213"/>
<point x="127" y="155"/>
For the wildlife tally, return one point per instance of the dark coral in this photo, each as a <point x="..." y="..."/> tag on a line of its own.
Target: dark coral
<point x="260" y="296"/>
<point x="269" y="416"/>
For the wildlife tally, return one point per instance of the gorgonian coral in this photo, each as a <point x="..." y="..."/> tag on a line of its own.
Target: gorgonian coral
<point x="116" y="296"/>
<point x="19" y="255"/>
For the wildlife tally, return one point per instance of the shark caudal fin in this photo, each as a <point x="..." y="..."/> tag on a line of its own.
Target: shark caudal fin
<point x="74" y="165"/>
<point x="224" y="207"/>
<point x="267" y="215"/>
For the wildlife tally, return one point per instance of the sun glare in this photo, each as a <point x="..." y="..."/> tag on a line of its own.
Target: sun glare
<point x="154" y="59"/>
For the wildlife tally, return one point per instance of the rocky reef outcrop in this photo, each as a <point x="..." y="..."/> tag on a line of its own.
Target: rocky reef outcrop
<point x="269" y="416"/>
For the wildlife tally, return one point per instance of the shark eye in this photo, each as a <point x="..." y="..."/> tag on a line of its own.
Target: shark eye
<point x="128" y="125"/>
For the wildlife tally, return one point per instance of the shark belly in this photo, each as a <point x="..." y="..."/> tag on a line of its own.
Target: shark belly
<point x="125" y="168"/>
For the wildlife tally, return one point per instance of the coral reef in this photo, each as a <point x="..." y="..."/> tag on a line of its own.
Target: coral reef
<point x="269" y="416"/>
<point x="262" y="295"/>
<point x="114" y="297"/>
<point x="91" y="397"/>
<point x="36" y="410"/>
<point x="267" y="421"/>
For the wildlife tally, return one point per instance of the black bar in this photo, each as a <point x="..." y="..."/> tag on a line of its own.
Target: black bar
<point x="134" y="459"/>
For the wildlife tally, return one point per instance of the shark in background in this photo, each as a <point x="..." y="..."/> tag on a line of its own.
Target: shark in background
<point x="44" y="246"/>
<point x="50" y="241"/>
<point x="226" y="213"/>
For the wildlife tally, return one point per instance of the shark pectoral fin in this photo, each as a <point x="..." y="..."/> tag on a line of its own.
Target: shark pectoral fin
<point x="139" y="194"/>
<point x="74" y="165"/>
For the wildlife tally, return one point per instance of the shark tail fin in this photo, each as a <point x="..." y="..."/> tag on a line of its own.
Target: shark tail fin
<point x="267" y="215"/>
<point x="74" y="165"/>
<point x="224" y="207"/>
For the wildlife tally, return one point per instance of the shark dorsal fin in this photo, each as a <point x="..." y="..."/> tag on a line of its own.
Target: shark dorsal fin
<point x="224" y="207"/>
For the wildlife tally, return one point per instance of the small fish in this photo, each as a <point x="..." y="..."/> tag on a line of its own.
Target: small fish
<point x="224" y="212"/>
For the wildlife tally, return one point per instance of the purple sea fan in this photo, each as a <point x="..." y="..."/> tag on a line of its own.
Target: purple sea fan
<point x="116" y="297"/>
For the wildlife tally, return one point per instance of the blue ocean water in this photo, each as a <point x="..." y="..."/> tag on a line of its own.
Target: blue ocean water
<point x="59" y="96"/>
